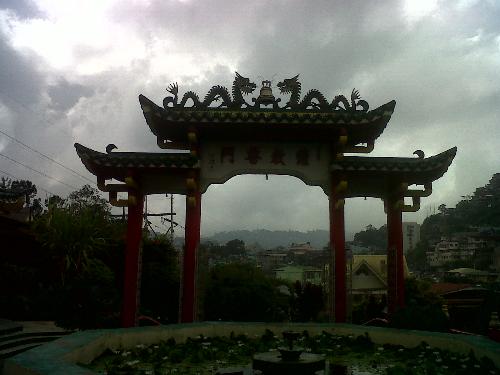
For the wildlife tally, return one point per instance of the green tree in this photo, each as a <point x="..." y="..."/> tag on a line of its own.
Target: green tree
<point x="423" y="309"/>
<point x="241" y="292"/>
<point x="74" y="231"/>
<point x="32" y="202"/>
<point x="90" y="299"/>
<point x="7" y="183"/>
<point x="80" y="242"/>
<point x="309" y="301"/>
<point x="235" y="247"/>
<point x="160" y="280"/>
<point x="417" y="257"/>
<point x="372" y="237"/>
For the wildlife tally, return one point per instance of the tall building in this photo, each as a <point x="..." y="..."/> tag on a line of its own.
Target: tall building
<point x="411" y="236"/>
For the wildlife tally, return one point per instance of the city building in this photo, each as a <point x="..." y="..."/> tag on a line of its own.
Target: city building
<point x="474" y="275"/>
<point x="461" y="247"/>
<point x="369" y="274"/>
<point x="270" y="260"/>
<point x="300" y="248"/>
<point x="302" y="274"/>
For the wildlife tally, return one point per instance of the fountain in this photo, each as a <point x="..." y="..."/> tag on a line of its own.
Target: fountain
<point x="289" y="359"/>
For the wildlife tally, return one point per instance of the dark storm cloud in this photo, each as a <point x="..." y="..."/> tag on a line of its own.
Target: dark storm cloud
<point x="24" y="88"/>
<point x="20" y="81"/>
<point x="443" y="69"/>
<point x="332" y="39"/>
<point x="22" y="8"/>
<point x="64" y="94"/>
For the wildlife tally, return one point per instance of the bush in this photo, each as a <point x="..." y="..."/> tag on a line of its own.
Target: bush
<point x="241" y="292"/>
<point x="160" y="280"/>
<point x="90" y="300"/>
<point x="423" y="310"/>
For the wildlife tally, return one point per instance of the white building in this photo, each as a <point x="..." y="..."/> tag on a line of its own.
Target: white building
<point x="300" y="248"/>
<point x="454" y="249"/>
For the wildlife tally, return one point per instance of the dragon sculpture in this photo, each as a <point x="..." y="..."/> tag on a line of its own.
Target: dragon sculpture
<point x="315" y="99"/>
<point x="241" y="86"/>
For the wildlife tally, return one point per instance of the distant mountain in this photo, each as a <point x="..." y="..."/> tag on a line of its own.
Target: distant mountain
<point x="272" y="238"/>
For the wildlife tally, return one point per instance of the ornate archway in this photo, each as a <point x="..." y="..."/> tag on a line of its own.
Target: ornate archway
<point x="223" y="136"/>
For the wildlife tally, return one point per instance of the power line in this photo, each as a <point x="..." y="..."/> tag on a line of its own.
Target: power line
<point x="37" y="171"/>
<point x="38" y="114"/>
<point x="46" y="156"/>
<point x="17" y="178"/>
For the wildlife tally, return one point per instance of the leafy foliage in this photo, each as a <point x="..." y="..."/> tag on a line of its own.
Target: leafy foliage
<point x="80" y="241"/>
<point x="366" y="308"/>
<point x="423" y="309"/>
<point x="481" y="209"/>
<point x="8" y="183"/>
<point x="75" y="230"/>
<point x="232" y="249"/>
<point x="373" y="238"/>
<point x="241" y="292"/>
<point x="75" y="274"/>
<point x="31" y="200"/>
<point x="417" y="257"/>
<point x="160" y="280"/>
<point x="309" y="301"/>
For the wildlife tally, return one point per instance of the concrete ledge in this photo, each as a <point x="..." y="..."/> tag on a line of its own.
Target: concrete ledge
<point x="8" y="326"/>
<point x="61" y="356"/>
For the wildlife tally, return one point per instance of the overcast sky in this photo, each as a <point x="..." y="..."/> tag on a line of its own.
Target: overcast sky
<point x="71" y="71"/>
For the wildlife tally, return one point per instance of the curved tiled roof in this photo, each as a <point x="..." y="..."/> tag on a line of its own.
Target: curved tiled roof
<point x="136" y="159"/>
<point x="254" y="123"/>
<point x="107" y="164"/>
<point x="368" y="175"/>
<point x="156" y="172"/>
<point x="396" y="164"/>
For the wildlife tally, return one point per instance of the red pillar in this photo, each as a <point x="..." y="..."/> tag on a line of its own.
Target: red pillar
<point x="192" y="240"/>
<point x="395" y="265"/>
<point x="132" y="263"/>
<point x="338" y="258"/>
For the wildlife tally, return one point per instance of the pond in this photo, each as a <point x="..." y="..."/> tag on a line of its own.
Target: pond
<point x="344" y="355"/>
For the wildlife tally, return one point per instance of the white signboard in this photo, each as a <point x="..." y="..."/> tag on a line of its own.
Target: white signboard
<point x="222" y="160"/>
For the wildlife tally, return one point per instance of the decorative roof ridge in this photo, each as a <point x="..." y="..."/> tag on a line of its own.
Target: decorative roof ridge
<point x="242" y="86"/>
<point x="148" y="107"/>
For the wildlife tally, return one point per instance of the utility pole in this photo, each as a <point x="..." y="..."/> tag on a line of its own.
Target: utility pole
<point x="162" y="215"/>
<point x="172" y="218"/>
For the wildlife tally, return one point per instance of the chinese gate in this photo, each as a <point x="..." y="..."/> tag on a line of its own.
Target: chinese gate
<point x="309" y="138"/>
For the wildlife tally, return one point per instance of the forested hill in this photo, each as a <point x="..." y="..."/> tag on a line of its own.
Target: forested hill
<point x="479" y="210"/>
<point x="269" y="239"/>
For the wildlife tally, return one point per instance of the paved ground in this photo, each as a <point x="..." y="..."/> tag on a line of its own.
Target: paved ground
<point x="40" y="326"/>
<point x="20" y="336"/>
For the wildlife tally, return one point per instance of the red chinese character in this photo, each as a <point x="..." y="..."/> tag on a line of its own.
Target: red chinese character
<point x="227" y="152"/>
<point x="303" y="157"/>
<point x="277" y="157"/>
<point x="253" y="154"/>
